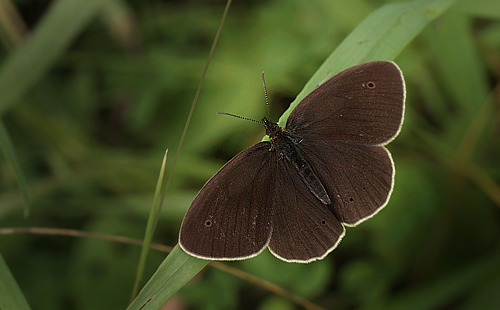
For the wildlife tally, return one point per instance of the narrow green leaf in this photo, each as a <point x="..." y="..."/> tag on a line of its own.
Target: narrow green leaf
<point x="62" y="23"/>
<point x="150" y="227"/>
<point x="175" y="271"/>
<point x="381" y="36"/>
<point x="11" y="297"/>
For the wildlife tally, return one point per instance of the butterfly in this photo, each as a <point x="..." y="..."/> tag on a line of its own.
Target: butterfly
<point x="328" y="168"/>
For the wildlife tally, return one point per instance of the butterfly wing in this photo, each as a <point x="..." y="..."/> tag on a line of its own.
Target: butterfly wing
<point x="304" y="229"/>
<point x="358" y="178"/>
<point x="362" y="104"/>
<point x="231" y="216"/>
<point x="342" y="126"/>
<point x="256" y="199"/>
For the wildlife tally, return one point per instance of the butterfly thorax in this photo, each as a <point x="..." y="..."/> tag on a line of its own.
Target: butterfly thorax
<point x="287" y="147"/>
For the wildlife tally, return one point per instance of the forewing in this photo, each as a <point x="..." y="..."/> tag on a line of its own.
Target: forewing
<point x="304" y="229"/>
<point x="358" y="178"/>
<point x="231" y="216"/>
<point x="362" y="104"/>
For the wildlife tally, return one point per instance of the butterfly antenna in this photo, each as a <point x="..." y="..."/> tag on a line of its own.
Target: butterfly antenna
<point x="237" y="116"/>
<point x="265" y="93"/>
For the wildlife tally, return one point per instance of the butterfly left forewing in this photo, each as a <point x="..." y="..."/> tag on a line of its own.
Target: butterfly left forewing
<point x="231" y="216"/>
<point x="341" y="128"/>
<point x="362" y="104"/>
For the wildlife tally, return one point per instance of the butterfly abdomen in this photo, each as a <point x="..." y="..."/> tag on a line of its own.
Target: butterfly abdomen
<point x="287" y="150"/>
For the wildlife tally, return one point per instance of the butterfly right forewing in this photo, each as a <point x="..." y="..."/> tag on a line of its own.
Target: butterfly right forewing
<point x="231" y="217"/>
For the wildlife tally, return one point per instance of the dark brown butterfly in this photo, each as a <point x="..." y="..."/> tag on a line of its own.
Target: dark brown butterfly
<point x="327" y="168"/>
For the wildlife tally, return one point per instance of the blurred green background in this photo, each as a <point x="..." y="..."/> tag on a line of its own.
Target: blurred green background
<point x="89" y="117"/>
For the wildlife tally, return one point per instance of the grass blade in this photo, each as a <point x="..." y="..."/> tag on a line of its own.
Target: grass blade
<point x="150" y="228"/>
<point x="381" y="36"/>
<point x="175" y="271"/>
<point x="12" y="297"/>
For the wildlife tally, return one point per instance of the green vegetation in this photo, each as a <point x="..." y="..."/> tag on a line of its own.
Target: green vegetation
<point x="92" y="98"/>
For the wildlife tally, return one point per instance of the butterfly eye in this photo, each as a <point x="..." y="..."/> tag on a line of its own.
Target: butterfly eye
<point x="208" y="223"/>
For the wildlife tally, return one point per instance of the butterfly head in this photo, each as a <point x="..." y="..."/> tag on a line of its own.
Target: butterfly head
<point x="272" y="129"/>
